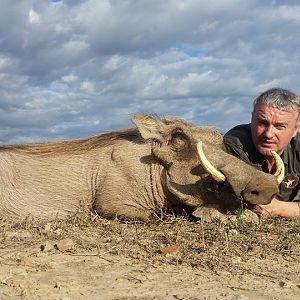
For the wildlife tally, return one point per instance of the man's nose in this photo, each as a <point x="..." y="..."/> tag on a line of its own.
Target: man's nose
<point x="269" y="132"/>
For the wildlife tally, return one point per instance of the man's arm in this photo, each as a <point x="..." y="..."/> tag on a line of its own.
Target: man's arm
<point x="278" y="208"/>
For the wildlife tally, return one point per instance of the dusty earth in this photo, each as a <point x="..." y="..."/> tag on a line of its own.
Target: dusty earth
<point x="173" y="258"/>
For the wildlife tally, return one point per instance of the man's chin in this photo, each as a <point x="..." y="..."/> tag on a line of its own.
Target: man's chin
<point x="265" y="151"/>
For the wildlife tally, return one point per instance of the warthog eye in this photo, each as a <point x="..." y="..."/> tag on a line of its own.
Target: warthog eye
<point x="179" y="140"/>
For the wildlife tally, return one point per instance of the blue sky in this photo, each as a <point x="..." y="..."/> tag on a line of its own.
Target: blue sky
<point x="71" y="68"/>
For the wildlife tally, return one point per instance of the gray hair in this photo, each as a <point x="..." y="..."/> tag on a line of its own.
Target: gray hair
<point x="279" y="98"/>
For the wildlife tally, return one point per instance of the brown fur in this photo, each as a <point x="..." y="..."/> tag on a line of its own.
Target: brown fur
<point x="133" y="174"/>
<point x="74" y="146"/>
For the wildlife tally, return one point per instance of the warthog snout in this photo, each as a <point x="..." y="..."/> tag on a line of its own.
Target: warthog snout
<point x="244" y="179"/>
<point x="255" y="193"/>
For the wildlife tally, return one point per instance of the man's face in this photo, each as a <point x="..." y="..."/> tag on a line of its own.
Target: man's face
<point x="272" y="128"/>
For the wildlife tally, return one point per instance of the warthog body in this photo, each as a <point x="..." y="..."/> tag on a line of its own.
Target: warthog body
<point x="128" y="174"/>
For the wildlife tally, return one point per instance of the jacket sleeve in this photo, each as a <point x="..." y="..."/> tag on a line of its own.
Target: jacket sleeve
<point x="235" y="147"/>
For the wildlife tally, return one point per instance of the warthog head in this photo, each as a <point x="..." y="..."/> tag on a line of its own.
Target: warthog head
<point x="197" y="169"/>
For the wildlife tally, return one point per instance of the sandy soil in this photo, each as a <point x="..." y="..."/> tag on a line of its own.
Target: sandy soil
<point x="100" y="259"/>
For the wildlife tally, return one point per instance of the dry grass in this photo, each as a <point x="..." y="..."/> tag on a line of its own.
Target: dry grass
<point x="215" y="246"/>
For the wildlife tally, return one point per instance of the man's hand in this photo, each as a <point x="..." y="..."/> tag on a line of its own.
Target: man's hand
<point x="277" y="208"/>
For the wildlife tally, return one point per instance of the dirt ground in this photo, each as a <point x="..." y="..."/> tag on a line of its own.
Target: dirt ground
<point x="93" y="258"/>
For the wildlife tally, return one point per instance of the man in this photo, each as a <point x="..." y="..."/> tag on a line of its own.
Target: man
<point x="274" y="126"/>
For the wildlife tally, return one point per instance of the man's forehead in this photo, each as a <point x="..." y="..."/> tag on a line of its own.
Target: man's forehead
<point x="264" y="109"/>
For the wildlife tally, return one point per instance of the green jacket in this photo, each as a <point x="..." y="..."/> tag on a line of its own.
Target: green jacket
<point x="238" y="141"/>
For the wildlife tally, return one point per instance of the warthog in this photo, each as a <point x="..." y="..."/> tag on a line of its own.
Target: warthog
<point x="132" y="174"/>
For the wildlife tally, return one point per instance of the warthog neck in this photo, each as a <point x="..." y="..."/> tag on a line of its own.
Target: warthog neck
<point x="157" y="190"/>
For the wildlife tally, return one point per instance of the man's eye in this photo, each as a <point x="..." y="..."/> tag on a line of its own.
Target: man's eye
<point x="262" y="123"/>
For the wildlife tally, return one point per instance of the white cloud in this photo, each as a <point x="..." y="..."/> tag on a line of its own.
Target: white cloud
<point x="289" y="13"/>
<point x="4" y="62"/>
<point x="33" y="17"/>
<point x="87" y="87"/>
<point x="69" y="78"/>
<point x="74" y="68"/>
<point x="115" y="62"/>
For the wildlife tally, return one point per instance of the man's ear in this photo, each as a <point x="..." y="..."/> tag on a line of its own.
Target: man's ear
<point x="297" y="128"/>
<point x="150" y="127"/>
<point x="251" y="121"/>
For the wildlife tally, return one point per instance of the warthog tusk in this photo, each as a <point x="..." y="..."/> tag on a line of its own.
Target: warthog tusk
<point x="208" y="167"/>
<point x="175" y="192"/>
<point x="279" y="173"/>
<point x="187" y="195"/>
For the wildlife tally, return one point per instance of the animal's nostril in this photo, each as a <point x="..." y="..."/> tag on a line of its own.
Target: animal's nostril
<point x="254" y="192"/>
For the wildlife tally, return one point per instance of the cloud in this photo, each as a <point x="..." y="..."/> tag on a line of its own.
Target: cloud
<point x="74" y="68"/>
<point x="34" y="17"/>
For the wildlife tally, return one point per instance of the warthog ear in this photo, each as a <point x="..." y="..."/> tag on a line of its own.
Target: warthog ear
<point x="150" y="127"/>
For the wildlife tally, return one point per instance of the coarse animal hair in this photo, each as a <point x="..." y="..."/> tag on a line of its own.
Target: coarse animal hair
<point x="73" y="146"/>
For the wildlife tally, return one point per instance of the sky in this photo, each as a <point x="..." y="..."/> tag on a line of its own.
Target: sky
<point x="71" y="69"/>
